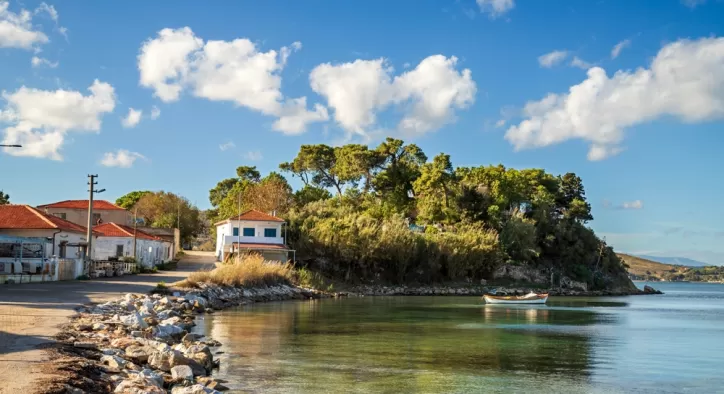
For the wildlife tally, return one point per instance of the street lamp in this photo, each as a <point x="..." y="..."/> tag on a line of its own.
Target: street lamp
<point x="11" y="146"/>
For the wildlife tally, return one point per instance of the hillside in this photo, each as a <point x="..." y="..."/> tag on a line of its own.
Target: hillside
<point x="643" y="269"/>
<point x="674" y="261"/>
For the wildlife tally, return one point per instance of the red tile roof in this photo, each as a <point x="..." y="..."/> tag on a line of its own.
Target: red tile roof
<point x="119" y="230"/>
<point x="244" y="245"/>
<point x="83" y="204"/>
<point x="254" y="216"/>
<point x="26" y="217"/>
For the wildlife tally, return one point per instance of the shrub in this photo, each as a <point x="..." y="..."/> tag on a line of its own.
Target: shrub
<point x="250" y="270"/>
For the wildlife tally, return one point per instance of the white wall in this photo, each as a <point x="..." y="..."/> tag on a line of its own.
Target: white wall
<point x="148" y="252"/>
<point x="225" y="234"/>
<point x="70" y="237"/>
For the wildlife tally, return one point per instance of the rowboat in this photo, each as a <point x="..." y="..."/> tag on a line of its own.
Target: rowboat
<point x="530" y="298"/>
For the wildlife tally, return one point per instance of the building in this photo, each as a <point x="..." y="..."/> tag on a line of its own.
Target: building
<point x="116" y="240"/>
<point x="251" y="231"/>
<point x="170" y="235"/>
<point x="76" y="211"/>
<point x="66" y="240"/>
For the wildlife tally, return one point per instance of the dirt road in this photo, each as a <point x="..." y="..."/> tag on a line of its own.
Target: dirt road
<point x="30" y="315"/>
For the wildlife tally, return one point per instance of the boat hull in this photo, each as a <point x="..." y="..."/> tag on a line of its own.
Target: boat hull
<point x="515" y="300"/>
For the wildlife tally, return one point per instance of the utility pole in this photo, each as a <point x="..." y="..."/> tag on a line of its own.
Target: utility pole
<point x="135" y="224"/>
<point x="89" y="235"/>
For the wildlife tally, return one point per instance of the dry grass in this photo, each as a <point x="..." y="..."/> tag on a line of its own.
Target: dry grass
<point x="250" y="270"/>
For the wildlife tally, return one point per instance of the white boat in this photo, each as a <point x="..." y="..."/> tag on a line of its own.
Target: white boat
<point x="530" y="298"/>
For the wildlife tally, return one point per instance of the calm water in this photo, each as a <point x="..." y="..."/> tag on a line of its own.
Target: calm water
<point x="668" y="343"/>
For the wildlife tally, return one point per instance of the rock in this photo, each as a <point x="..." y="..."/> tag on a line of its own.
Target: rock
<point x="138" y="353"/>
<point x="83" y="327"/>
<point x="149" y="375"/>
<point x="134" y="386"/>
<point x="202" y="355"/>
<point x="134" y="320"/>
<point x="650" y="290"/>
<point x="122" y="343"/>
<point x="215" y="385"/>
<point x="85" y="345"/>
<point x="113" y="362"/>
<point x="99" y="327"/>
<point x="195" y="389"/>
<point x="167" y="330"/>
<point x="137" y="334"/>
<point x="189" y="339"/>
<point x="111" y="352"/>
<point x="177" y="358"/>
<point x="160" y="360"/>
<point x="182" y="372"/>
<point x="164" y="301"/>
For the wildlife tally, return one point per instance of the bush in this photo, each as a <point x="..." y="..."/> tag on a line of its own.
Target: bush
<point x="250" y="270"/>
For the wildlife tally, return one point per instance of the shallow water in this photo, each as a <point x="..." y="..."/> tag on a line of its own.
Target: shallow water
<point x="662" y="343"/>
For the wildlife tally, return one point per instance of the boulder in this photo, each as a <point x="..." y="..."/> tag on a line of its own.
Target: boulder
<point x="122" y="343"/>
<point x="133" y="386"/>
<point x="189" y="339"/>
<point x="114" y="362"/>
<point x="134" y="320"/>
<point x="167" y="330"/>
<point x="182" y="372"/>
<point x="177" y="358"/>
<point x="138" y="353"/>
<point x="202" y="355"/>
<point x="99" y="327"/>
<point x="161" y="360"/>
<point x="149" y="375"/>
<point x="85" y="345"/>
<point x="195" y="389"/>
<point x="650" y="290"/>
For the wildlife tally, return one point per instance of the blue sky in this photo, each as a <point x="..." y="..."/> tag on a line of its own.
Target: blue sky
<point x="641" y="125"/>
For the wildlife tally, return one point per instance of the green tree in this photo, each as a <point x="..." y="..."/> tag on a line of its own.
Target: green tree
<point x="4" y="198"/>
<point x="130" y="199"/>
<point x="434" y="190"/>
<point x="168" y="210"/>
<point x="399" y="167"/>
<point x="571" y="199"/>
<point x="319" y="163"/>
<point x="309" y="194"/>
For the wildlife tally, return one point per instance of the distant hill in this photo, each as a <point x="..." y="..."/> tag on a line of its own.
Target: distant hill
<point x="643" y="267"/>
<point x="675" y="261"/>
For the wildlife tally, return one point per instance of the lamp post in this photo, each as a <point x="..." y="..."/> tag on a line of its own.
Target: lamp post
<point x="11" y="146"/>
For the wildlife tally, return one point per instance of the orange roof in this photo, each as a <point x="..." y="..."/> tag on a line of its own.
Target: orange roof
<point x="253" y="215"/>
<point x="244" y="245"/>
<point x="83" y="204"/>
<point x="119" y="230"/>
<point x="26" y="217"/>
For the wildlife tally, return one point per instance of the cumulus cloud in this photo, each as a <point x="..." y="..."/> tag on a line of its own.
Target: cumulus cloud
<point x="619" y="47"/>
<point x="132" y="119"/>
<point x="227" y="146"/>
<point x="253" y="155"/>
<point x="234" y="71"/>
<point x="121" y="158"/>
<point x="41" y="119"/>
<point x="685" y="81"/>
<point x="426" y="95"/>
<point x="39" y="61"/>
<point x="155" y="112"/>
<point x="553" y="58"/>
<point x="17" y="30"/>
<point x="47" y="9"/>
<point x="495" y="8"/>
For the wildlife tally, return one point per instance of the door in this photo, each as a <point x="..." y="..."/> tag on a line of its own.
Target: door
<point x="119" y="250"/>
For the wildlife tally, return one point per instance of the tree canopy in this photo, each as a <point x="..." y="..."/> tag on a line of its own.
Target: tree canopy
<point x="168" y="210"/>
<point x="4" y="198"/>
<point x="130" y="199"/>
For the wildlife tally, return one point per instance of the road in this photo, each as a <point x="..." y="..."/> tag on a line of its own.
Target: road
<point x="31" y="313"/>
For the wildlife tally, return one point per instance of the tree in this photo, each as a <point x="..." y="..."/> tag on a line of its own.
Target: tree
<point x="434" y="189"/>
<point x="270" y="194"/>
<point x="168" y="210"/>
<point x="317" y="161"/>
<point x="309" y="194"/>
<point x="130" y="199"/>
<point x="354" y="162"/>
<point x="399" y="167"/>
<point x="4" y="198"/>
<point x="571" y="199"/>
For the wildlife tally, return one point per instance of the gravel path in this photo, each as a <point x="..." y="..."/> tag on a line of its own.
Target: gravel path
<point x="31" y="313"/>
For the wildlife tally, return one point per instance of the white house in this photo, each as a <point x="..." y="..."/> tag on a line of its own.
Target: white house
<point x="252" y="231"/>
<point x="116" y="240"/>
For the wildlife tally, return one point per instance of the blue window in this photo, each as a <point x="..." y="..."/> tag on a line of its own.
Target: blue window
<point x="248" y="232"/>
<point x="270" y="232"/>
<point x="236" y="231"/>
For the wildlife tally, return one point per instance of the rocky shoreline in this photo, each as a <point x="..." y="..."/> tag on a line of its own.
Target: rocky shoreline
<point x="142" y="343"/>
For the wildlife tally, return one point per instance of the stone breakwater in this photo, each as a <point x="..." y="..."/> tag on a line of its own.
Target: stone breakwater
<point x="142" y="343"/>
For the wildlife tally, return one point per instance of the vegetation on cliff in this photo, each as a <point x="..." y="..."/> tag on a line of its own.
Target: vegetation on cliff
<point x="648" y="270"/>
<point x="390" y="214"/>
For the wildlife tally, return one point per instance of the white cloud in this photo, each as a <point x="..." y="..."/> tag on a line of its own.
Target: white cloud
<point x="552" y="58"/>
<point x="620" y="47"/>
<point x="132" y="119"/>
<point x="121" y="158"/>
<point x="427" y="95"/>
<point x="39" y="61"/>
<point x="40" y="119"/>
<point x="155" y="112"/>
<point x="253" y="155"/>
<point x="692" y="3"/>
<point x="232" y="71"/>
<point x="49" y="9"/>
<point x="16" y="29"/>
<point x="685" y="80"/>
<point x="500" y="123"/>
<point x="580" y="63"/>
<point x="227" y="146"/>
<point x="495" y="8"/>
<point x="637" y="204"/>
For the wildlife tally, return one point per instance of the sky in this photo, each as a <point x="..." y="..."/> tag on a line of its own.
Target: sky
<point x="628" y="95"/>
